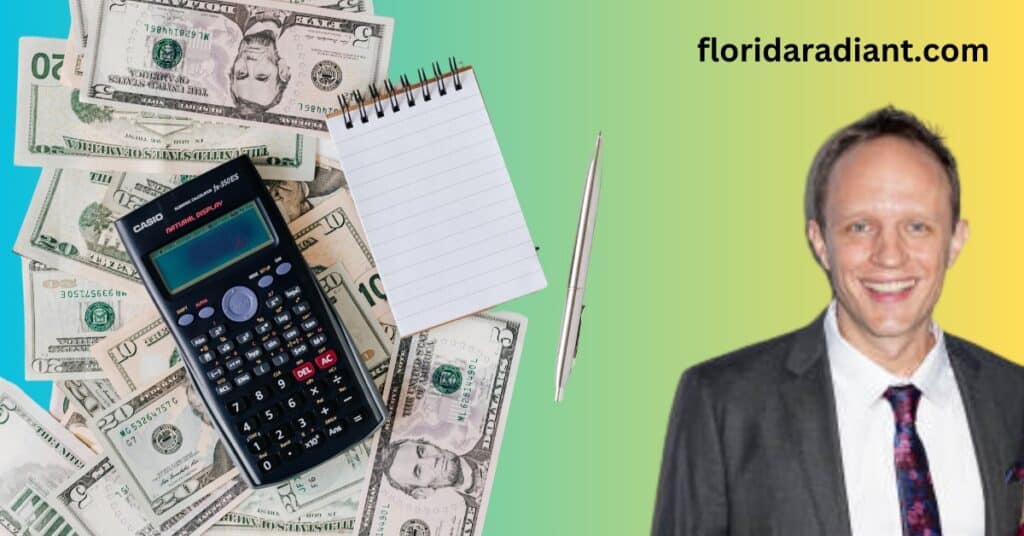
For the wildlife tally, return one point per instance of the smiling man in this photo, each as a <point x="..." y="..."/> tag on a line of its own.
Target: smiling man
<point x="871" y="420"/>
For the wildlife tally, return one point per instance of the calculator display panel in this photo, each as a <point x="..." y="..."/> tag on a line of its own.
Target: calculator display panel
<point x="212" y="247"/>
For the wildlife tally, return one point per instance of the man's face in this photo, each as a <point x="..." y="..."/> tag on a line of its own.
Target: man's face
<point x="422" y="465"/>
<point x="290" y="197"/>
<point x="255" y="74"/>
<point x="889" y="236"/>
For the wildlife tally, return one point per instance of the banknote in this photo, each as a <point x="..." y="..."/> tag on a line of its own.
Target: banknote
<point x="332" y="231"/>
<point x="128" y="191"/>
<point x="369" y="337"/>
<point x="82" y="10"/>
<point x="261" y="512"/>
<point x="253" y="62"/>
<point x="59" y="403"/>
<point x="78" y="425"/>
<point x="56" y="129"/>
<point x="138" y="354"/>
<point x="341" y="476"/>
<point x="89" y="397"/>
<point x="96" y="501"/>
<point x="68" y="228"/>
<point x="38" y="455"/>
<point x="447" y="394"/>
<point x="65" y="315"/>
<point x="31" y="512"/>
<point x="165" y="446"/>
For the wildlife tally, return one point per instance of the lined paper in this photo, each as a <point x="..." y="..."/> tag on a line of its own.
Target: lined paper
<point x="441" y="217"/>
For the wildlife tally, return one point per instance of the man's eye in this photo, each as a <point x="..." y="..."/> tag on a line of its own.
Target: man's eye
<point x="262" y="77"/>
<point x="859" y="227"/>
<point x="241" y="75"/>
<point x="416" y="471"/>
<point x="419" y="451"/>
<point x="918" y="227"/>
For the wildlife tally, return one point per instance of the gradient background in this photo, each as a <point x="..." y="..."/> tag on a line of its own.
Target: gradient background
<point x="699" y="246"/>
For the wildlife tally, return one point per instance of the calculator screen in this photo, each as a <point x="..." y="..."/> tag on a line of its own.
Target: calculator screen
<point x="212" y="247"/>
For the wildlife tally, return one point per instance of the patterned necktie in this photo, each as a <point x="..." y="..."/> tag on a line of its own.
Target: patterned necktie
<point x="918" y="508"/>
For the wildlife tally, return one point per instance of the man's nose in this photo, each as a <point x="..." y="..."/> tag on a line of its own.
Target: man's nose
<point x="889" y="249"/>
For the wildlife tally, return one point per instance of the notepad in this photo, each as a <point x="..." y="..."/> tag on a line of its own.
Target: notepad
<point x="441" y="216"/>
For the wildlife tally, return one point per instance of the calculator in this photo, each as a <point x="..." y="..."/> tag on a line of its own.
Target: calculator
<point x="274" y="365"/>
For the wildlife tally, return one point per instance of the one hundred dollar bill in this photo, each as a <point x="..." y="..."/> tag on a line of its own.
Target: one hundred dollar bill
<point x="96" y="501"/>
<point x="68" y="228"/>
<point x="65" y="315"/>
<point x="82" y="12"/>
<point x="447" y="394"/>
<point x="38" y="455"/>
<point x="252" y="62"/>
<point x="56" y="129"/>
<point x="165" y="446"/>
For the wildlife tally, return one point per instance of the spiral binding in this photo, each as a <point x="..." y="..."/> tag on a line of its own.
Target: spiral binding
<point x="357" y="101"/>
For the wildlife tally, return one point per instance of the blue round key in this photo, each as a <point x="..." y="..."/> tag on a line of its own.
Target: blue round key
<point x="239" y="304"/>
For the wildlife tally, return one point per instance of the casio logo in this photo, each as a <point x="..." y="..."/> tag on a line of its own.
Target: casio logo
<point x="149" y="221"/>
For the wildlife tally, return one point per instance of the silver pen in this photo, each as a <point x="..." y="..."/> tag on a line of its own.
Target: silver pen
<point x="578" y="274"/>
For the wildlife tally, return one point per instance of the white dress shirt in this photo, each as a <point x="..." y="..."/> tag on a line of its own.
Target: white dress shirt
<point x="867" y="428"/>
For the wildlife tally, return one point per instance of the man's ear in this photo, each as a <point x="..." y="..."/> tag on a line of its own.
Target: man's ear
<point x="422" y="493"/>
<point x="960" y="234"/>
<point x="816" y="237"/>
<point x="283" y="71"/>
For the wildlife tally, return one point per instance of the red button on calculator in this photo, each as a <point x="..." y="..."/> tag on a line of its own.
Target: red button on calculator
<point x="304" y="372"/>
<point x="327" y="359"/>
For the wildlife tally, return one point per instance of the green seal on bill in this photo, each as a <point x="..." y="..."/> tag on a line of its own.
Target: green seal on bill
<point x="167" y="53"/>
<point x="447" y="379"/>
<point x="99" y="316"/>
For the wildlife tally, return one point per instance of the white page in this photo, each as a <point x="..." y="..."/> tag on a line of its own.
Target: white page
<point x="441" y="216"/>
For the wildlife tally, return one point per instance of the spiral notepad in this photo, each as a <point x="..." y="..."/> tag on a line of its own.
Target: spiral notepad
<point x="430" y="184"/>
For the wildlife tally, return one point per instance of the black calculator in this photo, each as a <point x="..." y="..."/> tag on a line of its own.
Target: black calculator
<point x="276" y="368"/>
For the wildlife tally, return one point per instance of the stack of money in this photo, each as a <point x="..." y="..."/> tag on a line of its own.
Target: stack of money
<point x="141" y="97"/>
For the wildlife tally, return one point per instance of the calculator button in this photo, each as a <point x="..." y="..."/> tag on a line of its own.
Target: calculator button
<point x="346" y="399"/>
<point x="233" y="363"/>
<point x="292" y="292"/>
<point x="313" y="441"/>
<point x="291" y="451"/>
<point x="336" y="378"/>
<point x="301" y="309"/>
<point x="223" y="388"/>
<point x="304" y="372"/>
<point x="279" y="359"/>
<point x="335" y="429"/>
<point x="281" y="433"/>
<point x="237" y="406"/>
<point x="261" y="369"/>
<point x="244" y="337"/>
<point x="318" y="340"/>
<point x="243" y="379"/>
<point x="269" y="463"/>
<point x="299" y="350"/>
<point x="272" y="344"/>
<point x="206" y="312"/>
<point x="327" y="359"/>
<point x="265" y="281"/>
<point x="257" y="445"/>
<point x="186" y="320"/>
<point x="357" y="417"/>
<point x="282" y="318"/>
<point x="274" y="302"/>
<point x="206" y="357"/>
<point x="281" y="383"/>
<point x="217" y="331"/>
<point x="225" y="348"/>
<point x="271" y="414"/>
<point x="239" y="303"/>
<point x="261" y="394"/>
<point x="263" y="328"/>
<point x="309" y="324"/>
<point x="199" y="341"/>
<point x="215" y="374"/>
<point x="303" y="422"/>
<point x="253" y="353"/>
<point x="291" y="334"/>
<point x="283" y="268"/>
<point x="294" y="402"/>
<point x="249" y="426"/>
<point x="315" y="391"/>
<point x="327" y="409"/>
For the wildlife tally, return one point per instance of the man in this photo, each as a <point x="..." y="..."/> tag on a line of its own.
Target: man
<point x="258" y="76"/>
<point x="870" y="420"/>
<point x="418" y="468"/>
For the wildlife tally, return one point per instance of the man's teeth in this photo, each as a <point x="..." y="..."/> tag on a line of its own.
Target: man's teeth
<point x="890" y="286"/>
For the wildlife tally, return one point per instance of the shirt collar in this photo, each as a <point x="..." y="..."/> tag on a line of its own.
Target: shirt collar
<point x="863" y="381"/>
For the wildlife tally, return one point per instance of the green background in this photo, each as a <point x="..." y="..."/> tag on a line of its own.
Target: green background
<point x="699" y="246"/>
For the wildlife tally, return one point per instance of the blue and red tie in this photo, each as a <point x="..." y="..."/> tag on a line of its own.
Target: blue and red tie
<point x="918" y="507"/>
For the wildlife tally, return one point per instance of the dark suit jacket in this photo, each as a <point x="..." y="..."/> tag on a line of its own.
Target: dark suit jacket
<point x="753" y="443"/>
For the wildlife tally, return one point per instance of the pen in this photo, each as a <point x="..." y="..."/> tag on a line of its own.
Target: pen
<point x="578" y="275"/>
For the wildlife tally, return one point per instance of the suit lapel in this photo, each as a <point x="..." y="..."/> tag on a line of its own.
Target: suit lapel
<point x="989" y="434"/>
<point x="809" y="404"/>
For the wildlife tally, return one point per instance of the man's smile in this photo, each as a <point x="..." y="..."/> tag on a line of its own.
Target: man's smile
<point x="889" y="290"/>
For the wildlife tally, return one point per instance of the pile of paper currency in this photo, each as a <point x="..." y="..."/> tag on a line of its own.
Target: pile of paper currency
<point x="143" y="95"/>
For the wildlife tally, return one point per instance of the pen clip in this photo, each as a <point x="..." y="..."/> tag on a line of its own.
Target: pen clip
<point x="579" y="328"/>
